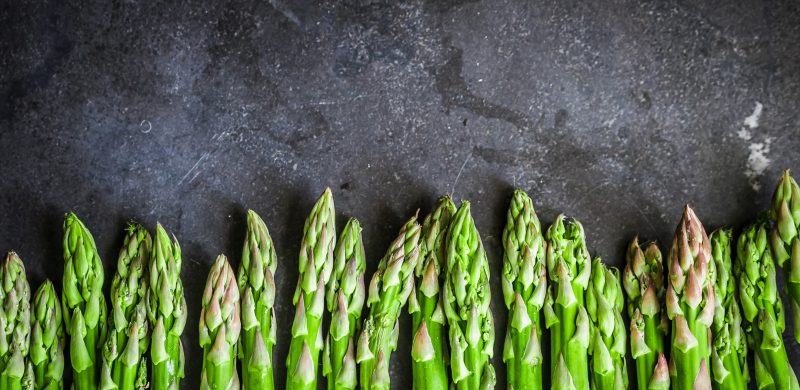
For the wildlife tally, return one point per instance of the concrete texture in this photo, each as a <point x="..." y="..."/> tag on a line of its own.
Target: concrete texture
<point x="616" y="113"/>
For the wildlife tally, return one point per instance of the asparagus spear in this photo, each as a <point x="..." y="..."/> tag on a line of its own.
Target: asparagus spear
<point x="389" y="289"/>
<point x="84" y="305"/>
<point x="316" y="264"/>
<point x="643" y="280"/>
<point x="569" y="268"/>
<point x="123" y="366"/>
<point x="729" y="352"/>
<point x="28" y="381"/>
<point x="466" y="298"/>
<point x="166" y="311"/>
<point x="47" y="339"/>
<point x="785" y="241"/>
<point x="15" y="319"/>
<point x="219" y="328"/>
<point x="604" y="302"/>
<point x="524" y="289"/>
<point x="762" y="309"/>
<point x="257" y="289"/>
<point x="425" y="303"/>
<point x="690" y="303"/>
<point x="345" y="299"/>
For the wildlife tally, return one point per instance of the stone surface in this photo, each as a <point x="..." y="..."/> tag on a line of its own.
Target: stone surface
<point x="616" y="113"/>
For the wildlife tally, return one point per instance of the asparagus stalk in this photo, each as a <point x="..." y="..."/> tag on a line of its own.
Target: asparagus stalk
<point x="690" y="303"/>
<point x="785" y="241"/>
<point x="569" y="268"/>
<point x="166" y="311"/>
<point x="425" y="302"/>
<point x="47" y="339"/>
<point x="28" y="381"/>
<point x="762" y="309"/>
<point x="15" y="317"/>
<point x="123" y="365"/>
<point x="257" y="289"/>
<point x="643" y="280"/>
<point x="524" y="289"/>
<point x="729" y="352"/>
<point x="345" y="299"/>
<point x="604" y="302"/>
<point x="219" y="328"/>
<point x="84" y="306"/>
<point x="316" y="264"/>
<point x="389" y="290"/>
<point x="466" y="299"/>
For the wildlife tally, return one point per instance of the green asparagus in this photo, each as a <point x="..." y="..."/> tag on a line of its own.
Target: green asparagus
<point x="785" y="241"/>
<point x="389" y="290"/>
<point x="524" y="289"/>
<point x="47" y="339"/>
<point x="569" y="268"/>
<point x="84" y="306"/>
<point x="345" y="299"/>
<point x="425" y="303"/>
<point x="28" y="381"/>
<point x="690" y="303"/>
<point x="762" y="309"/>
<point x="123" y="363"/>
<point x="15" y="296"/>
<point x="219" y="328"/>
<point x="643" y="280"/>
<point x="604" y="302"/>
<point x="316" y="264"/>
<point x="466" y="299"/>
<point x="166" y="311"/>
<point x="729" y="352"/>
<point x="257" y="289"/>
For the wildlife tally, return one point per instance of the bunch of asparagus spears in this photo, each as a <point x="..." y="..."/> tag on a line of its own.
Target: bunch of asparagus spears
<point x="693" y="316"/>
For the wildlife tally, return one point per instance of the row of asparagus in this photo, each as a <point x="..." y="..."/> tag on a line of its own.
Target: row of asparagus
<point x="693" y="318"/>
<point x="718" y="301"/>
<point x="106" y="350"/>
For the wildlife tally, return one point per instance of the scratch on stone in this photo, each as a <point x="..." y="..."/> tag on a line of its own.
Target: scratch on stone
<point x="197" y="173"/>
<point x="458" y="176"/>
<point x="193" y="169"/>
<point x="641" y="212"/>
<point x="282" y="8"/>
<point x="589" y="192"/>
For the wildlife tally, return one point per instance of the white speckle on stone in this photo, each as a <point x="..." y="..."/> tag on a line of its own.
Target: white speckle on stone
<point x="757" y="160"/>
<point x="744" y="134"/>
<point x="752" y="120"/>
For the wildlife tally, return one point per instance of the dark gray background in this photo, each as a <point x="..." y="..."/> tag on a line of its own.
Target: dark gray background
<point x="616" y="113"/>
